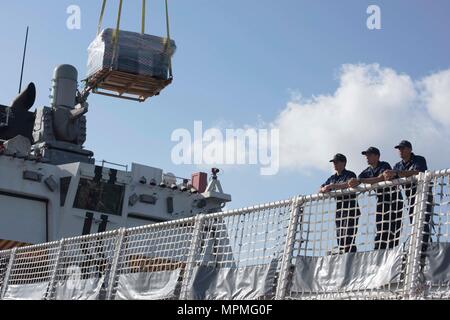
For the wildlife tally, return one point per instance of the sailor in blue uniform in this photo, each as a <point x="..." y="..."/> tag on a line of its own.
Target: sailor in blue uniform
<point x="347" y="211"/>
<point x="411" y="165"/>
<point x="389" y="200"/>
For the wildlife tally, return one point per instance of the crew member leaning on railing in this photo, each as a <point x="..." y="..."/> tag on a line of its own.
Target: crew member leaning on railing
<point x="389" y="200"/>
<point x="409" y="166"/>
<point x="347" y="209"/>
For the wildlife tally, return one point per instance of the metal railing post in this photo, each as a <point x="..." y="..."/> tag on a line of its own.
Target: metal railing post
<point x="195" y="245"/>
<point x="415" y="247"/>
<point x="8" y="273"/>
<point x="282" y="285"/>
<point x="115" y="262"/>
<point x="51" y="286"/>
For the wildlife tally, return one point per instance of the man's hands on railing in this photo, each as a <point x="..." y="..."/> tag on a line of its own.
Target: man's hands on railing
<point x="390" y="175"/>
<point x="333" y="187"/>
<point x="326" y="189"/>
<point x="355" y="182"/>
<point x="394" y="174"/>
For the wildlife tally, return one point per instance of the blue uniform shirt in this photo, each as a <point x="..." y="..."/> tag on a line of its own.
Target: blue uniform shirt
<point x="384" y="194"/>
<point x="416" y="163"/>
<point x="375" y="172"/>
<point x="345" y="176"/>
<point x="347" y="201"/>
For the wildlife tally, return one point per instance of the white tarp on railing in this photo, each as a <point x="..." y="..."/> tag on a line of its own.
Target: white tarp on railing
<point x="160" y="285"/>
<point x="352" y="272"/>
<point x="246" y="283"/>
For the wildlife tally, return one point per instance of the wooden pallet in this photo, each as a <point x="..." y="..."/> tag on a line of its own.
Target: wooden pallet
<point x="125" y="85"/>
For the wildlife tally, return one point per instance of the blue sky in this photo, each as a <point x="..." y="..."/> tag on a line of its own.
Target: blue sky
<point x="237" y="62"/>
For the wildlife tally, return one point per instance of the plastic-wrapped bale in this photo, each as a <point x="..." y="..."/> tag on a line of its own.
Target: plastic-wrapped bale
<point x="139" y="66"/>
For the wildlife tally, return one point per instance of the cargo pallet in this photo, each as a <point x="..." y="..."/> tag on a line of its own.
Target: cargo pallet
<point x="124" y="85"/>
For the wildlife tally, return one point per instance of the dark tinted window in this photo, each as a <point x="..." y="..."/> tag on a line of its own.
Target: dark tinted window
<point x="64" y="188"/>
<point x="100" y="197"/>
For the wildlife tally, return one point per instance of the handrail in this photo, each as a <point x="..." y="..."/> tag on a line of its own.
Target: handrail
<point x="191" y="238"/>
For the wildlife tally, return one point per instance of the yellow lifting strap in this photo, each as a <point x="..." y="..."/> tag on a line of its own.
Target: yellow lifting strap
<point x="100" y="21"/>
<point x="116" y="33"/>
<point x="143" y="17"/>
<point x="102" y="13"/>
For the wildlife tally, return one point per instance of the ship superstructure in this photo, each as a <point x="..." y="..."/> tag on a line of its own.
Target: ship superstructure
<point x="51" y="187"/>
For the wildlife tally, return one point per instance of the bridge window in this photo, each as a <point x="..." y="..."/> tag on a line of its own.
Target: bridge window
<point x="99" y="197"/>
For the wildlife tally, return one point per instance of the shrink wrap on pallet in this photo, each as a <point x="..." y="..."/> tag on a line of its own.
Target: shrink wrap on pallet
<point x="136" y="53"/>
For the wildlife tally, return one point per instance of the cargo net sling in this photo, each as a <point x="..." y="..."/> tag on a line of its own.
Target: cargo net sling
<point x="129" y="65"/>
<point x="350" y="245"/>
<point x="386" y="241"/>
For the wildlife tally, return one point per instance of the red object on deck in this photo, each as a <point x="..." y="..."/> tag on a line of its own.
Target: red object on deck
<point x="200" y="181"/>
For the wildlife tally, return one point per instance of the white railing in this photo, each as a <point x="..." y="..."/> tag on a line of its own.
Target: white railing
<point x="389" y="241"/>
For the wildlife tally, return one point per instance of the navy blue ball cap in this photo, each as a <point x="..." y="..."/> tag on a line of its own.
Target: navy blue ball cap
<point x="371" y="150"/>
<point x="404" y="144"/>
<point x="339" y="158"/>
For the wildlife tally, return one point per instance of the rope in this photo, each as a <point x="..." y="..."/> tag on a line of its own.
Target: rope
<point x="100" y="21"/>
<point x="143" y="16"/>
<point x="168" y="38"/>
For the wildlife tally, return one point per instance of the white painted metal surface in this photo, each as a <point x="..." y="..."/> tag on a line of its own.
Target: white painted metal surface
<point x="23" y="220"/>
<point x="31" y="211"/>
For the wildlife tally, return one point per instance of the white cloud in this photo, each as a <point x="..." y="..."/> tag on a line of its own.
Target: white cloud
<point x="436" y="93"/>
<point x="372" y="106"/>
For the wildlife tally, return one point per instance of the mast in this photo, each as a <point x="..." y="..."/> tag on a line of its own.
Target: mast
<point x="23" y="59"/>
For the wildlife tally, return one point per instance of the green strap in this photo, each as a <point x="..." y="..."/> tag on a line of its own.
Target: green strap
<point x="168" y="38"/>
<point x="100" y="21"/>
<point x="119" y="16"/>
<point x="143" y="16"/>
<point x="116" y="32"/>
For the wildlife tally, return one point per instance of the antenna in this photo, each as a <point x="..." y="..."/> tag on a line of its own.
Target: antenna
<point x="23" y="60"/>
